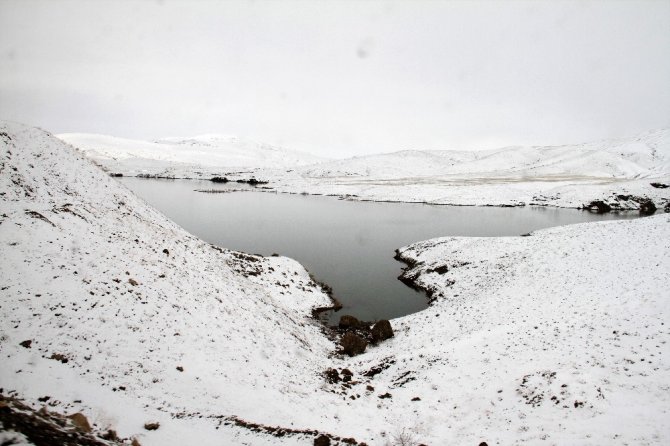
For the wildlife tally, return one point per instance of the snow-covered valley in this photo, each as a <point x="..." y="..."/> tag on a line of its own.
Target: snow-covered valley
<point x="551" y="338"/>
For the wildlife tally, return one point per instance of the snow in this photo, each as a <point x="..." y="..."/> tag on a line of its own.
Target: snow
<point x="564" y="176"/>
<point x="218" y="151"/>
<point x="12" y="438"/>
<point x="66" y="285"/>
<point x="578" y="313"/>
<point x="583" y="306"/>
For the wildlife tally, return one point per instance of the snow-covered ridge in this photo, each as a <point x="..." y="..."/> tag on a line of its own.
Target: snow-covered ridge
<point x="218" y="151"/>
<point x="565" y="176"/>
<point x="91" y="274"/>
<point x="645" y="155"/>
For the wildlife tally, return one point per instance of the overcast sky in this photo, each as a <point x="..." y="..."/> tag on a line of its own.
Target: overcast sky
<point x="339" y="78"/>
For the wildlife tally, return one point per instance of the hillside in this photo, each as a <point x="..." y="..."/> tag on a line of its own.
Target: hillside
<point x="174" y="156"/>
<point x="565" y="176"/>
<point x="557" y="336"/>
<point x="93" y="276"/>
<point x="646" y="155"/>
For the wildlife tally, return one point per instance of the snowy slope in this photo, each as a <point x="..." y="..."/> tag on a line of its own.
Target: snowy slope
<point x="566" y="176"/>
<point x="556" y="337"/>
<point x="642" y="156"/>
<point x="92" y="273"/>
<point x="206" y="151"/>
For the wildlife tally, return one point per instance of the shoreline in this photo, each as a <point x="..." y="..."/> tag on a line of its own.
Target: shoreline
<point x="663" y="204"/>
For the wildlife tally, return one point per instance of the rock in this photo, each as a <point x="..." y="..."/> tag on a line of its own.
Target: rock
<point x="352" y="344"/>
<point x="80" y="422"/>
<point x="180" y="368"/>
<point x="381" y="331"/>
<point x="133" y="282"/>
<point x="483" y="443"/>
<point x="598" y="206"/>
<point x="322" y="440"/>
<point x="152" y="426"/>
<point x="59" y="357"/>
<point x="110" y="435"/>
<point x="255" y="182"/>
<point x="166" y="251"/>
<point x="659" y="185"/>
<point x="346" y="375"/>
<point x="219" y="180"/>
<point x="385" y="396"/>
<point x="135" y="442"/>
<point x="332" y="376"/>
<point x="647" y="207"/>
<point x="26" y="343"/>
<point x="347" y="322"/>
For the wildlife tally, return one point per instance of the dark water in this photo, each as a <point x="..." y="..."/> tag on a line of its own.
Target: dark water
<point x="349" y="245"/>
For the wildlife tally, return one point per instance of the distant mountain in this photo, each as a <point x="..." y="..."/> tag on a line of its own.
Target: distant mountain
<point x="642" y="156"/>
<point x="205" y="150"/>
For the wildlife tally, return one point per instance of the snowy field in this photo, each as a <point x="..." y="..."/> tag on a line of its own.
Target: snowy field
<point x="614" y="171"/>
<point x="559" y="337"/>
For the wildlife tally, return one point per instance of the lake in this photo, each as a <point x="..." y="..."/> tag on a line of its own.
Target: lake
<point x="347" y="244"/>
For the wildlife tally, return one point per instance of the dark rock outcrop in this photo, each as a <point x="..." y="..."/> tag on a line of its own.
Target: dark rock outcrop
<point x="347" y="322"/>
<point x="322" y="440"/>
<point x="346" y="375"/>
<point x="598" y="206"/>
<point x="80" y="422"/>
<point x="381" y="331"/>
<point x="332" y="376"/>
<point x="647" y="207"/>
<point x="352" y="344"/>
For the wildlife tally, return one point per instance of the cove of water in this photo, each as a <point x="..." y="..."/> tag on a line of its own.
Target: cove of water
<point x="347" y="244"/>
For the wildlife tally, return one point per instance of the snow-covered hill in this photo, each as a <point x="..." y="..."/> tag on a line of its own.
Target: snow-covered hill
<point x="175" y="155"/>
<point x="92" y="275"/>
<point x="646" y="155"/>
<point x="566" y="176"/>
<point x="555" y="337"/>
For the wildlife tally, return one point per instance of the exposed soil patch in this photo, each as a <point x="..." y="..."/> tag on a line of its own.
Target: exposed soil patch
<point x="278" y="431"/>
<point x="39" y="216"/>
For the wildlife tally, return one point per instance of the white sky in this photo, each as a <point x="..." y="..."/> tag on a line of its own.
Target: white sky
<point x="339" y="78"/>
